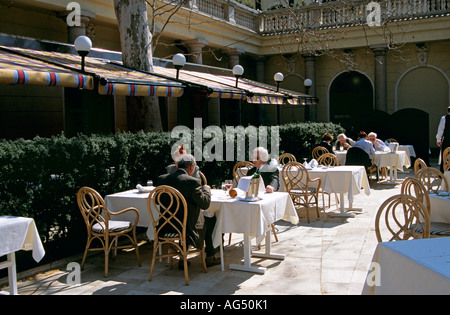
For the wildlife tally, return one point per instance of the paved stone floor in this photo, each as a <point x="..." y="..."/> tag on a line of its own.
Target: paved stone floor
<point x="330" y="256"/>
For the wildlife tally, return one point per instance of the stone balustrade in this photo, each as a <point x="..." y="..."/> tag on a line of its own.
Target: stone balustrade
<point x="315" y="15"/>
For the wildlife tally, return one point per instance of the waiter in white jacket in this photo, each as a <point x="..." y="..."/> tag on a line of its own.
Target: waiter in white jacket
<point x="443" y="136"/>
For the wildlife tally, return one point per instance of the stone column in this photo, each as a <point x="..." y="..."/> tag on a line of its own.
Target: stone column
<point x="84" y="27"/>
<point x="195" y="50"/>
<point x="310" y="73"/>
<point x="380" y="77"/>
<point x="260" y="61"/>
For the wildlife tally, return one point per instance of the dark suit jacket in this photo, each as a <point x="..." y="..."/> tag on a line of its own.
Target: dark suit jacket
<point x="326" y="145"/>
<point x="270" y="175"/>
<point x="197" y="197"/>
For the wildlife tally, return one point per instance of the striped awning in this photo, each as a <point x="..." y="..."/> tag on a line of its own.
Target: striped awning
<point x="216" y="89"/>
<point x="263" y="99"/>
<point x="252" y="91"/>
<point x="114" y="79"/>
<point x="18" y="69"/>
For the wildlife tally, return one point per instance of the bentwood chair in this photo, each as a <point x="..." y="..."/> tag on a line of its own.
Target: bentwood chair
<point x="413" y="187"/>
<point x="433" y="180"/>
<point x="100" y="226"/>
<point x="286" y="158"/>
<point x="418" y="165"/>
<point x="240" y="169"/>
<point x="402" y="217"/>
<point x="446" y="159"/>
<point x="391" y="140"/>
<point x="303" y="191"/>
<point x="169" y="227"/>
<point x="328" y="159"/>
<point x="203" y="180"/>
<point x="318" y="151"/>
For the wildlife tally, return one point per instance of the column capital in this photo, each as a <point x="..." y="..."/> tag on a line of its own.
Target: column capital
<point x="379" y="50"/>
<point x="195" y="43"/>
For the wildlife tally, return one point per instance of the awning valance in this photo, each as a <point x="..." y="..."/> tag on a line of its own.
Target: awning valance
<point x="263" y="99"/>
<point x="216" y="89"/>
<point x="113" y="79"/>
<point x="17" y="69"/>
<point x="252" y="91"/>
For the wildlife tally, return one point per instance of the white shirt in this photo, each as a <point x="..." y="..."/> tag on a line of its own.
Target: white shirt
<point x="366" y="146"/>
<point x="441" y="127"/>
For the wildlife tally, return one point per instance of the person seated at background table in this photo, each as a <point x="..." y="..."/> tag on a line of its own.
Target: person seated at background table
<point x="269" y="173"/>
<point x="378" y="144"/>
<point x="344" y="142"/>
<point x="175" y="156"/>
<point x="326" y="142"/>
<point x="199" y="228"/>
<point x="365" y="144"/>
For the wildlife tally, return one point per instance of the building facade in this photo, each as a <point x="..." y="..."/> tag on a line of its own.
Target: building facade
<point x="360" y="57"/>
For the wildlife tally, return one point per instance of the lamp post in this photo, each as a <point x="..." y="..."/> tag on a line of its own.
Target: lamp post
<point x="278" y="77"/>
<point x="238" y="71"/>
<point x="83" y="46"/>
<point x="308" y="84"/>
<point x="179" y="60"/>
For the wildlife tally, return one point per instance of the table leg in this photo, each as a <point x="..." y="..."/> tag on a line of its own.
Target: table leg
<point x="247" y="258"/>
<point x="268" y="253"/>
<point x="10" y="263"/>
<point x="342" y="213"/>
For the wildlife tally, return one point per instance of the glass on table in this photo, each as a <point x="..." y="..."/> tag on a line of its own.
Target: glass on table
<point x="228" y="184"/>
<point x="149" y="183"/>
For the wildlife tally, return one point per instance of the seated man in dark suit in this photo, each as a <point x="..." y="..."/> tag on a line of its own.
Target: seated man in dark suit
<point x="197" y="197"/>
<point x="269" y="173"/>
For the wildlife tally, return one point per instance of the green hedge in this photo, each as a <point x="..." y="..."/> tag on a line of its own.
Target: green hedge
<point x="39" y="178"/>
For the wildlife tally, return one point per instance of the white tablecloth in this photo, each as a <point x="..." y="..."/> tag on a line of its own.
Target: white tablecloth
<point x="341" y="156"/>
<point x="411" y="267"/>
<point x="397" y="160"/>
<point x="350" y="179"/>
<point x="253" y="218"/>
<point x="19" y="233"/>
<point x="130" y="198"/>
<point x="409" y="149"/>
<point x="440" y="208"/>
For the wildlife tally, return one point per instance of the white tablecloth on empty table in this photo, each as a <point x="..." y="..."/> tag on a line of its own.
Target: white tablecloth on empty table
<point x="439" y="208"/>
<point x="19" y="233"/>
<point x="411" y="267"/>
<point x="409" y="149"/>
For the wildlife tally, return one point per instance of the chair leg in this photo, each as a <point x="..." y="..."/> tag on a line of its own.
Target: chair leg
<point x="229" y="239"/>
<point x="84" y="256"/>
<point x="152" y="266"/>
<point x="136" y="248"/>
<point x="185" y="264"/>
<point x="106" y="261"/>
<point x="203" y="257"/>
<point x="274" y="233"/>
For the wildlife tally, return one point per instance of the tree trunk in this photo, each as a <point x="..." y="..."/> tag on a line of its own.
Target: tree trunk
<point x="136" y="44"/>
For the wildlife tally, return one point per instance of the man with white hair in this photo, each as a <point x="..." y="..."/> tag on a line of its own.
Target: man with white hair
<point x="378" y="145"/>
<point x="344" y="142"/>
<point x="269" y="173"/>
